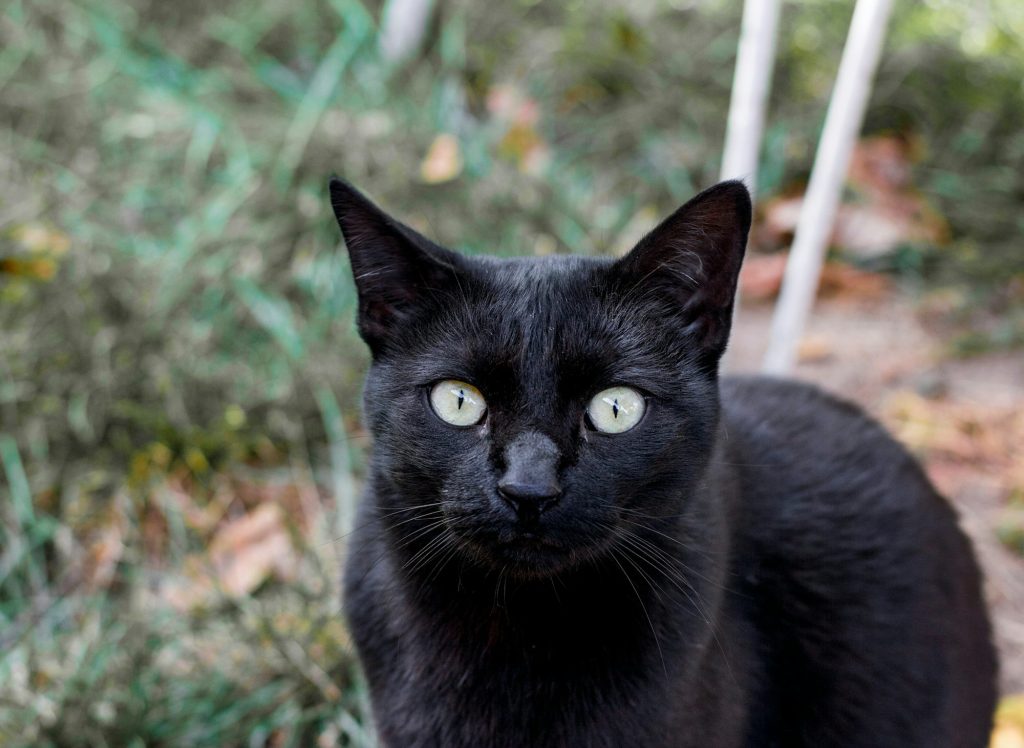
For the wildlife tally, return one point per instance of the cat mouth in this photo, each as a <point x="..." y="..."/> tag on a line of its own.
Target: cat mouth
<point x="527" y="551"/>
<point x="530" y="541"/>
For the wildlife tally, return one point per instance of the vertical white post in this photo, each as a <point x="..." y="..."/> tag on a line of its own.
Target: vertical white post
<point x="402" y="27"/>
<point x="842" y="126"/>
<point x="750" y="86"/>
<point x="755" y="59"/>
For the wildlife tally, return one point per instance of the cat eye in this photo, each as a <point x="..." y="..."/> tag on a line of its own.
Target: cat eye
<point x="616" y="409"/>
<point x="457" y="403"/>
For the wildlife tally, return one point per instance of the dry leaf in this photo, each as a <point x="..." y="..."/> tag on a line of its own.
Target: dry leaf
<point x="761" y="276"/>
<point x="522" y="141"/>
<point x="1007" y="737"/>
<point x="962" y="442"/>
<point x="839" y="280"/>
<point x="512" y="104"/>
<point x="243" y="554"/>
<point x="969" y="432"/>
<point x="40" y="239"/>
<point x="443" y="161"/>
<point x="1009" y="731"/>
<point x="41" y="268"/>
<point x="882" y="164"/>
<point x="814" y="349"/>
<point x="102" y="557"/>
<point x="245" y="551"/>
<point x="887" y="213"/>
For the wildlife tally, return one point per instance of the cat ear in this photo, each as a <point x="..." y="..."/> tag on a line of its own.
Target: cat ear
<point x="694" y="257"/>
<point x="397" y="271"/>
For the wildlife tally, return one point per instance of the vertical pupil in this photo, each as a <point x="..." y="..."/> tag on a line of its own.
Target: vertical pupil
<point x="462" y="398"/>
<point x="615" y="408"/>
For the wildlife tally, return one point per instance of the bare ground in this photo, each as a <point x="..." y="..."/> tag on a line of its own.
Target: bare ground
<point x="964" y="417"/>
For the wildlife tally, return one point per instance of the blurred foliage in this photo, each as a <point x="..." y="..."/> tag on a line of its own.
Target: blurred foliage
<point x="174" y="300"/>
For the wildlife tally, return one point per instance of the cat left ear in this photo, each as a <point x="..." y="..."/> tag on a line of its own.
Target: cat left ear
<point x="397" y="272"/>
<point x="694" y="257"/>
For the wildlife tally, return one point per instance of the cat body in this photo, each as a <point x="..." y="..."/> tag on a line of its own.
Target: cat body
<point x="750" y="563"/>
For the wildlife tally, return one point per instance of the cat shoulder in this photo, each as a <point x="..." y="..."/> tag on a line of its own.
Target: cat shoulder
<point x="810" y="461"/>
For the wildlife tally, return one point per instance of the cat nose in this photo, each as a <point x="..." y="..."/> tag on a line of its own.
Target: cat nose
<point x="530" y="481"/>
<point x="530" y="500"/>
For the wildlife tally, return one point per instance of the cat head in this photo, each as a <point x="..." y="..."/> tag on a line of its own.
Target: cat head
<point x="528" y="410"/>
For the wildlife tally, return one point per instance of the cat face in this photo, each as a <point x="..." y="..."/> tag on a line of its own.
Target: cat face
<point x="523" y="411"/>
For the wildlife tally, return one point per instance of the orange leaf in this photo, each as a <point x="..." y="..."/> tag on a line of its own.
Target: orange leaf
<point x="443" y="161"/>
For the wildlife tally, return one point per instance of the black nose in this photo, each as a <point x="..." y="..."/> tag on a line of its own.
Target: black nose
<point x="530" y="480"/>
<point x="530" y="500"/>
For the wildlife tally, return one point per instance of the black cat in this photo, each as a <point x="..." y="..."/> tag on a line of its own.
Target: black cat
<point x="574" y="534"/>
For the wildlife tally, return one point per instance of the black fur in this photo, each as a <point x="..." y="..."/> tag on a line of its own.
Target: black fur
<point x="754" y="564"/>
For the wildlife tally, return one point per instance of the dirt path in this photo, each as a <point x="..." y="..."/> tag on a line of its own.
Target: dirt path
<point x="964" y="417"/>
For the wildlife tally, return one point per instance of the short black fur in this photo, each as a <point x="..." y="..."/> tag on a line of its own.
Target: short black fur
<point x="753" y="564"/>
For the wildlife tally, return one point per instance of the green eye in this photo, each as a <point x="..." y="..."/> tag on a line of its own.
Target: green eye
<point x="616" y="409"/>
<point x="457" y="403"/>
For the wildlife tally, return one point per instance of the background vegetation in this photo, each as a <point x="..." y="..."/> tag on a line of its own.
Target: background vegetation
<point x="176" y="347"/>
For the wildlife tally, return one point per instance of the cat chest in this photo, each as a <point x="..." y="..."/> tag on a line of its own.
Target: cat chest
<point x="521" y="692"/>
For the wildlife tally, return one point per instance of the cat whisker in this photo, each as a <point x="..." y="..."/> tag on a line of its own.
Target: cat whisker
<point x="441" y="562"/>
<point x="697" y="601"/>
<point x="379" y="517"/>
<point x="682" y="545"/>
<point x="676" y="577"/>
<point x="554" y="590"/>
<point x="643" y="607"/>
<point x="497" y="585"/>
<point x="425" y="554"/>
<point x="628" y="553"/>
<point x="405" y="542"/>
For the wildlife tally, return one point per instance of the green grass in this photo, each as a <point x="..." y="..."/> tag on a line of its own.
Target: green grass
<point x="175" y="307"/>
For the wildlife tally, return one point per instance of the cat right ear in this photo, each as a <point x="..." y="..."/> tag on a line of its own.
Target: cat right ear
<point x="692" y="259"/>
<point x="396" y="270"/>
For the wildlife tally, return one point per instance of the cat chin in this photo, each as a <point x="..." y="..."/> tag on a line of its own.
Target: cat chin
<point x="528" y="558"/>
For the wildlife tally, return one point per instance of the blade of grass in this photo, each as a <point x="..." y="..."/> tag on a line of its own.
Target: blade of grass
<point x="322" y="86"/>
<point x="274" y="314"/>
<point x="17" y="481"/>
<point x="341" y="465"/>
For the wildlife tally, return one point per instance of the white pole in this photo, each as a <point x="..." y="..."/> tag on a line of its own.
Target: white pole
<point x="751" y="83"/>
<point x="842" y="126"/>
<point x="402" y="27"/>
<point x="750" y="86"/>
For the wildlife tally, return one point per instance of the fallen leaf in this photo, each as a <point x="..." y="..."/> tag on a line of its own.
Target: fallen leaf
<point x="885" y="213"/>
<point x="962" y="442"/>
<point x="102" y="557"/>
<point x="510" y="103"/>
<point x="839" y="280"/>
<point x="761" y="276"/>
<point x="245" y="551"/>
<point x="882" y="164"/>
<point x="443" y="161"/>
<point x="814" y="349"/>
<point x="38" y="268"/>
<point x="1008" y="737"/>
<point x="40" y="239"/>
<point x="522" y="141"/>
<point x="1009" y="729"/>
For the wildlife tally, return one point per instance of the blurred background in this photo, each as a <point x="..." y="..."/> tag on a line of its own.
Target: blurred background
<point x="180" y="445"/>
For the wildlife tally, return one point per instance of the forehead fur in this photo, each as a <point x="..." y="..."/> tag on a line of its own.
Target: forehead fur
<point x="561" y="320"/>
